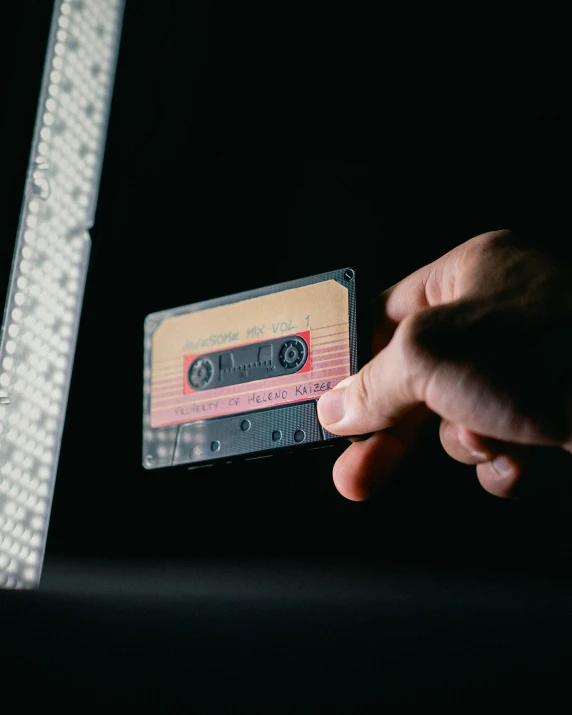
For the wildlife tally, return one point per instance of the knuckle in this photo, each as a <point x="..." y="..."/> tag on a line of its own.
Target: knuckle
<point x="417" y="360"/>
<point x="492" y="240"/>
<point x="420" y="336"/>
<point x="418" y="331"/>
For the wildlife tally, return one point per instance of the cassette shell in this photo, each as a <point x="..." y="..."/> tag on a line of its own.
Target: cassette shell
<point x="311" y="338"/>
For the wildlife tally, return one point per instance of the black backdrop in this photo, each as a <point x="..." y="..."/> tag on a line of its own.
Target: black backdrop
<point x="252" y="145"/>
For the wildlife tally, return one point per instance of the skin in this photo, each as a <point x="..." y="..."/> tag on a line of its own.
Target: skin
<point x="482" y="338"/>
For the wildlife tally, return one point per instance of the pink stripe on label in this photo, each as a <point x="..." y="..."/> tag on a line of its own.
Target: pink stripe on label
<point x="332" y="333"/>
<point x="172" y="402"/>
<point x="325" y="372"/>
<point x="318" y="372"/>
<point x="329" y="356"/>
<point x="162" y="391"/>
<point x="339" y="346"/>
<point x="185" y="409"/>
<point x="168" y="381"/>
<point x="329" y="343"/>
<point x="170" y="373"/>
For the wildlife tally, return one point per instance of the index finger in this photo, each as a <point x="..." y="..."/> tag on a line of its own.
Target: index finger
<point x="428" y="286"/>
<point x="393" y="382"/>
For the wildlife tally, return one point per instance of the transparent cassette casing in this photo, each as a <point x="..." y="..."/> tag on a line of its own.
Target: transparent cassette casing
<point x="242" y="374"/>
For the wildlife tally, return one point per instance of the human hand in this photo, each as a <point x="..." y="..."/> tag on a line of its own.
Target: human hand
<point x="482" y="337"/>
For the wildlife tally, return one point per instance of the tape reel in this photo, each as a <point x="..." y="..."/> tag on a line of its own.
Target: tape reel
<point x="248" y="363"/>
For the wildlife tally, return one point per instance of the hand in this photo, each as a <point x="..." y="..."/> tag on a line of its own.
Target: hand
<point x="482" y="337"/>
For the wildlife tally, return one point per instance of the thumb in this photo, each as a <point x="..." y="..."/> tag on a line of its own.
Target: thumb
<point x="488" y="366"/>
<point x="383" y="391"/>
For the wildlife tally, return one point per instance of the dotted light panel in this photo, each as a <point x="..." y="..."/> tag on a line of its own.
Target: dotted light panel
<point x="46" y="286"/>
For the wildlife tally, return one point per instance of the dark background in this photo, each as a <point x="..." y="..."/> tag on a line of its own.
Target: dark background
<point x="255" y="144"/>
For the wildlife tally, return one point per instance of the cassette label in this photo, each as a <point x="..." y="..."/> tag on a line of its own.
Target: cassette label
<point x="316" y="314"/>
<point x="210" y="363"/>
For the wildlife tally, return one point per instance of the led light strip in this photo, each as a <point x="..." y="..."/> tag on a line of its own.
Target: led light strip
<point x="46" y="286"/>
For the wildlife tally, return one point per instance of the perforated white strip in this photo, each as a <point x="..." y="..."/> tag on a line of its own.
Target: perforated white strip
<point x="46" y="286"/>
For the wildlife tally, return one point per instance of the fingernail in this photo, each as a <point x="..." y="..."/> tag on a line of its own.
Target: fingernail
<point x="502" y="464"/>
<point x="473" y="452"/>
<point x="331" y="405"/>
<point x="463" y="437"/>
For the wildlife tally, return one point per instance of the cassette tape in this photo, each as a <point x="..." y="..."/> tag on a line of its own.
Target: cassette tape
<point x="241" y="376"/>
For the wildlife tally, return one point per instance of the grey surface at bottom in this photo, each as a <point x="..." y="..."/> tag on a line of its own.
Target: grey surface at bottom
<point x="227" y="636"/>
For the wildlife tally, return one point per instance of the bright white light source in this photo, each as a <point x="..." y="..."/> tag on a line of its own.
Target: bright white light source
<point x="48" y="274"/>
